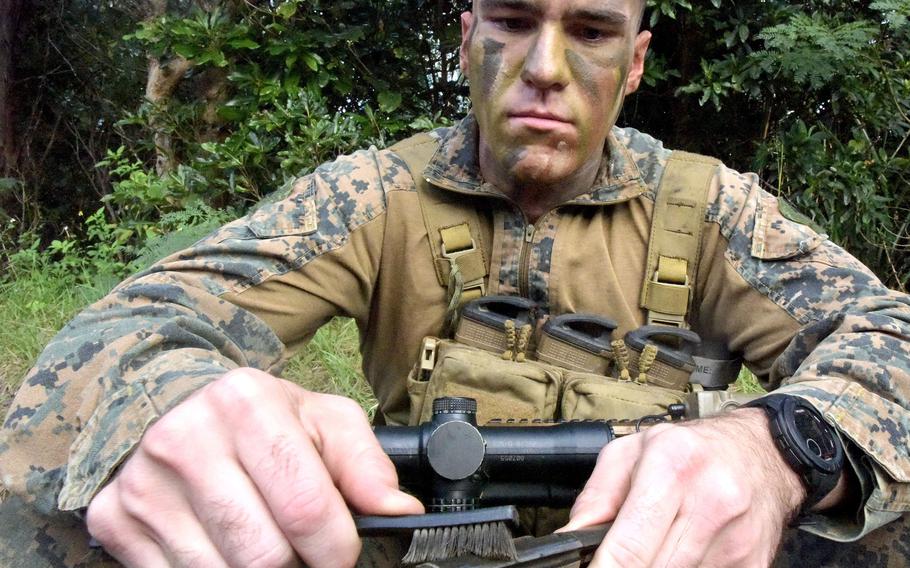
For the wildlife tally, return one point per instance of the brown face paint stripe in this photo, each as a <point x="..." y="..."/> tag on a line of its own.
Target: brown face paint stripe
<point x="492" y="63"/>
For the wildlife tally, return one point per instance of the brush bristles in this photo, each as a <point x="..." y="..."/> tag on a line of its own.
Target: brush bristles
<point x="492" y="541"/>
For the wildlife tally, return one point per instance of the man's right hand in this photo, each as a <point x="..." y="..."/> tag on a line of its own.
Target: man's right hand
<point x="249" y="471"/>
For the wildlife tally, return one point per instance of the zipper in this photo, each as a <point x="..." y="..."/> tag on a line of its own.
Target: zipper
<point x="524" y="259"/>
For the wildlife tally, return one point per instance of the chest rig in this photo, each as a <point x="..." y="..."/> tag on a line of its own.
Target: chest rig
<point x="515" y="376"/>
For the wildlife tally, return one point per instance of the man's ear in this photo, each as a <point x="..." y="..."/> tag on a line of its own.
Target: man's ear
<point x="467" y="20"/>
<point x="637" y="69"/>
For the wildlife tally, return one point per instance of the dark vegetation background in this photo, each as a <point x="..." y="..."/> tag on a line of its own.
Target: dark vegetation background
<point x="130" y="127"/>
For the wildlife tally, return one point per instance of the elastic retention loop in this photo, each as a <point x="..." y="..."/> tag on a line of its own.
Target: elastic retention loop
<point x="621" y="356"/>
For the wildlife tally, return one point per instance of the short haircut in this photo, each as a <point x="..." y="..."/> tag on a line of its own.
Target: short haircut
<point x="641" y="9"/>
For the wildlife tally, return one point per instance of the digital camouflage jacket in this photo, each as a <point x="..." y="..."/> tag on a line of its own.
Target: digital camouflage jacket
<point x="349" y="240"/>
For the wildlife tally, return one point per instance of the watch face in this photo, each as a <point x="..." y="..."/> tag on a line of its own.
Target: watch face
<point x="817" y="438"/>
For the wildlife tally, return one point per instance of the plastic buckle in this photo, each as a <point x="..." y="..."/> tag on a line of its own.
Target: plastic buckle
<point x="657" y="318"/>
<point x="427" y="357"/>
<point x="663" y="318"/>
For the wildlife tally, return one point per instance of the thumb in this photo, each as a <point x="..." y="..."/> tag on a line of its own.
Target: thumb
<point x="363" y="473"/>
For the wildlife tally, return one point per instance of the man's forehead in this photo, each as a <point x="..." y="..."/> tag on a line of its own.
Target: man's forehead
<point x="600" y="9"/>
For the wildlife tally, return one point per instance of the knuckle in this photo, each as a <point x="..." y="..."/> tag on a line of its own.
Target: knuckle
<point x="730" y="494"/>
<point x="343" y="407"/>
<point x="134" y="494"/>
<point x="236" y="391"/>
<point x="305" y="510"/>
<point x="679" y="452"/>
<point x="165" y="442"/>
<point x="276" y="556"/>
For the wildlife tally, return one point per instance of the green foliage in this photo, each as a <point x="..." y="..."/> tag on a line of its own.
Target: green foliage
<point x="810" y="49"/>
<point x="815" y="96"/>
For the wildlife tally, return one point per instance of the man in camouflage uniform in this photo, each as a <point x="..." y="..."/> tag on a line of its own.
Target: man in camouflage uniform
<point x="154" y="420"/>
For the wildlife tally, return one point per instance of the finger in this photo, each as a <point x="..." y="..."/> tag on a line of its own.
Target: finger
<point x="120" y="535"/>
<point x="280" y="458"/>
<point x="180" y="489"/>
<point x="237" y="519"/>
<point x="361" y="470"/>
<point x="168" y="519"/>
<point x="608" y="485"/>
<point x="653" y="502"/>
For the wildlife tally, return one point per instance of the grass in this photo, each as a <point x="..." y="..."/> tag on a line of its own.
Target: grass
<point x="33" y="307"/>
<point x="331" y="363"/>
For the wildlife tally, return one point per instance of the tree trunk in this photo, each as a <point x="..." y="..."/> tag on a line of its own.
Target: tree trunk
<point x="212" y="88"/>
<point x="9" y="150"/>
<point x="163" y="78"/>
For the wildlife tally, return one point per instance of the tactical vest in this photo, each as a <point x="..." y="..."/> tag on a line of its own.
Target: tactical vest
<point x="510" y="384"/>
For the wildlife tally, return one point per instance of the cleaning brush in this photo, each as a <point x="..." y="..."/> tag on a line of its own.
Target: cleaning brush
<point x="486" y="533"/>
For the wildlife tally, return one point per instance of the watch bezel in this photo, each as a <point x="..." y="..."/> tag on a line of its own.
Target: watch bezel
<point x="798" y="440"/>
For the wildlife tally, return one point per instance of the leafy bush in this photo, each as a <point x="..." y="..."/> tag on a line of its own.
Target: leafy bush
<point x="818" y="94"/>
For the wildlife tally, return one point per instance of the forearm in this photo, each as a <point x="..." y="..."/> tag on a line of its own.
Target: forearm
<point x="109" y="374"/>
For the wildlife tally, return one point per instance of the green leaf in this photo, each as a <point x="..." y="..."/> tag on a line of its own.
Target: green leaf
<point x="243" y="43"/>
<point x="292" y="83"/>
<point x="311" y="61"/>
<point x="287" y="10"/>
<point x="389" y="101"/>
<point x="185" y="51"/>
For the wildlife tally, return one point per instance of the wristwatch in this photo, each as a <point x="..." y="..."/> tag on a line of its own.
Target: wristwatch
<point x="808" y="444"/>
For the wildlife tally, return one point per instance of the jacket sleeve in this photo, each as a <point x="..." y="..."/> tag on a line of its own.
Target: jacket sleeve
<point x="812" y="321"/>
<point x="244" y="296"/>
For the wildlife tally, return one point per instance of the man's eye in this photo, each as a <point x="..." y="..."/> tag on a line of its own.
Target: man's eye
<point x="591" y="34"/>
<point x="513" y="24"/>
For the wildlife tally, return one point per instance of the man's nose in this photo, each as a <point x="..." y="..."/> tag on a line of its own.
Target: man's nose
<point x="545" y="65"/>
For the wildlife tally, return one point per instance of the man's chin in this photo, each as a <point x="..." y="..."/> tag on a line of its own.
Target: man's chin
<point x="542" y="166"/>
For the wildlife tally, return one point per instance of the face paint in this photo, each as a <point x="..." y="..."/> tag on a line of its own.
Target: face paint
<point x="545" y="94"/>
<point x="582" y="72"/>
<point x="492" y="63"/>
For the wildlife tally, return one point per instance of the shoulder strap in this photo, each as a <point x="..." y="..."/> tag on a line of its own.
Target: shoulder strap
<point x="674" y="248"/>
<point x="453" y="227"/>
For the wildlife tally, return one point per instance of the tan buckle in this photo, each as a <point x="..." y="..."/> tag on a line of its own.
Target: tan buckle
<point x="427" y="357"/>
<point x="663" y="318"/>
<point x="477" y="283"/>
<point x="657" y="318"/>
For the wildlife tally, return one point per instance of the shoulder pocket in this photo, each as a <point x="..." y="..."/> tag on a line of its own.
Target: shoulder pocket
<point x="776" y="237"/>
<point x="295" y="215"/>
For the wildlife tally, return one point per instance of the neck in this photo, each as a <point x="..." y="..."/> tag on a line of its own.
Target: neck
<point x="533" y="197"/>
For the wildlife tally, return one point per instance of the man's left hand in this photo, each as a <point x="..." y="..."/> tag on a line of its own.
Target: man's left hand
<point x="714" y="492"/>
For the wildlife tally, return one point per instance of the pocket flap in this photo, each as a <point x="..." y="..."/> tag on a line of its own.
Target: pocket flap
<point x="777" y="237"/>
<point x="295" y="215"/>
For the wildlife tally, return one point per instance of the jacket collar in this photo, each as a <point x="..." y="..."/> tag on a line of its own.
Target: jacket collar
<point x="455" y="166"/>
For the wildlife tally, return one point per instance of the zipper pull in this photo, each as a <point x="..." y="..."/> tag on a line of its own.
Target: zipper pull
<point x="529" y="232"/>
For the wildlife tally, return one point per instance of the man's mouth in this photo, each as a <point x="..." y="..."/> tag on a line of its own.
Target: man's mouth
<point x="540" y="120"/>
